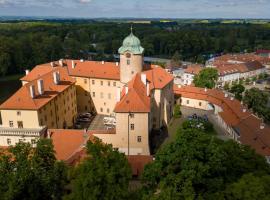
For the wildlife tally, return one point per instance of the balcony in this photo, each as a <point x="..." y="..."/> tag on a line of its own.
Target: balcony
<point x="23" y="132"/>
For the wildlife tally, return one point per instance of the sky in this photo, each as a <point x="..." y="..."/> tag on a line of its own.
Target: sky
<point x="137" y="8"/>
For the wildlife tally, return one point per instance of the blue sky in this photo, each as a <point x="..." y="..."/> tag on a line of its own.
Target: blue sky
<point x="138" y="8"/>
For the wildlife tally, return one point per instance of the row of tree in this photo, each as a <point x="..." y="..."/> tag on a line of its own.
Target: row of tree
<point x="24" y="45"/>
<point x="196" y="165"/>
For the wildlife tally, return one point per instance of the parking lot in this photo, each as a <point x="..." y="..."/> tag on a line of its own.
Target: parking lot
<point x="97" y="123"/>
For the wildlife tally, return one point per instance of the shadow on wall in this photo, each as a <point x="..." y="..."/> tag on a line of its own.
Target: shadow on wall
<point x="157" y="138"/>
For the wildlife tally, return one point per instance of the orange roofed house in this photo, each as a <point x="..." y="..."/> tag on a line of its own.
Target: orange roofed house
<point x="139" y="96"/>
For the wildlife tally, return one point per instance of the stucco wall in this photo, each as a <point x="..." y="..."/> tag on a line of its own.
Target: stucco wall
<point x="127" y="72"/>
<point x="120" y="139"/>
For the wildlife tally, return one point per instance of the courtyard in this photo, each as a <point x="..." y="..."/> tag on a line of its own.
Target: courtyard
<point x="165" y="136"/>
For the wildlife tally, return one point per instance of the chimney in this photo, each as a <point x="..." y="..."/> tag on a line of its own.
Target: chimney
<point x="56" y="78"/>
<point x="143" y="78"/>
<point x="262" y="126"/>
<point x="118" y="94"/>
<point x="232" y="98"/>
<point x="226" y="95"/>
<point x="126" y="89"/>
<point x="244" y="110"/>
<point x="27" y="72"/>
<point x="117" y="64"/>
<point x="102" y="62"/>
<point x="205" y="89"/>
<point x="81" y="60"/>
<point x="72" y="64"/>
<point x="32" y="91"/>
<point x="61" y="62"/>
<point x="148" y="89"/>
<point x="40" y="87"/>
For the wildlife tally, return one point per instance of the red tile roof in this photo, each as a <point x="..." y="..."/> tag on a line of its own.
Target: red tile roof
<point x="233" y="114"/>
<point x="248" y="57"/>
<point x="69" y="145"/>
<point x="136" y="100"/>
<point x="193" y="69"/>
<point x="157" y="77"/>
<point x="94" y="69"/>
<point x="22" y="98"/>
<point x="138" y="162"/>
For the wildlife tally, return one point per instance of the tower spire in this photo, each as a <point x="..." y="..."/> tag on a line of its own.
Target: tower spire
<point x="131" y="29"/>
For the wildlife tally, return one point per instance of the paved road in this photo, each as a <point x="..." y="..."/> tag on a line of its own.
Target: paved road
<point x="97" y="123"/>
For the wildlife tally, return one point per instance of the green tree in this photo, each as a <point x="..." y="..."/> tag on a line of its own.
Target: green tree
<point x="227" y="86"/>
<point x="199" y="166"/>
<point x="104" y="174"/>
<point x="237" y="90"/>
<point x="249" y="187"/>
<point x="206" y="78"/>
<point x="176" y="59"/>
<point x="256" y="100"/>
<point x="177" y="112"/>
<point x="31" y="173"/>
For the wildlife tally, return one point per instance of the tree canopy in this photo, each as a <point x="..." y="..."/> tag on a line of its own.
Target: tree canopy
<point x="31" y="173"/>
<point x="200" y="166"/>
<point x="206" y="78"/>
<point x="237" y="90"/>
<point x="26" y="44"/>
<point x="257" y="100"/>
<point x="103" y="175"/>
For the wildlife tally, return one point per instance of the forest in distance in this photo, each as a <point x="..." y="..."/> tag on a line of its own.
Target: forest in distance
<point x="24" y="45"/>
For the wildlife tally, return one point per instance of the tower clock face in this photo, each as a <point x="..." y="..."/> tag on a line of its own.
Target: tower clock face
<point x="128" y="55"/>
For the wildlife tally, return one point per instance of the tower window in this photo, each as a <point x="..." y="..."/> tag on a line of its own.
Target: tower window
<point x="128" y="55"/>
<point x="128" y="62"/>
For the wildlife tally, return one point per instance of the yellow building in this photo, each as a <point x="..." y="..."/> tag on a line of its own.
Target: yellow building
<point x="46" y="100"/>
<point x="140" y="97"/>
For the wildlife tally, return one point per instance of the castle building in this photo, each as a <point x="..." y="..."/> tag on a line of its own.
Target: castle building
<point x="140" y="96"/>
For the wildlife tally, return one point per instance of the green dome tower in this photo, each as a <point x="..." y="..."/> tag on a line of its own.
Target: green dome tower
<point x="131" y="58"/>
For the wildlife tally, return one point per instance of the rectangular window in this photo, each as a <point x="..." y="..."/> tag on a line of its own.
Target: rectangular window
<point x="139" y="139"/>
<point x="109" y="96"/>
<point x="93" y="82"/>
<point x="9" y="141"/>
<point x="18" y="113"/>
<point x="11" y="124"/>
<point x="94" y="94"/>
<point x="20" y="124"/>
<point x="85" y="81"/>
<point x="200" y="103"/>
<point x="85" y="93"/>
<point x="101" y="95"/>
<point x="101" y="109"/>
<point x="20" y="140"/>
<point x="109" y="83"/>
<point x="108" y="110"/>
<point x="131" y="115"/>
<point x="114" y="84"/>
<point x="33" y="141"/>
<point x="128" y="62"/>
<point x="187" y="101"/>
<point x="132" y="127"/>
<point x="101" y="83"/>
